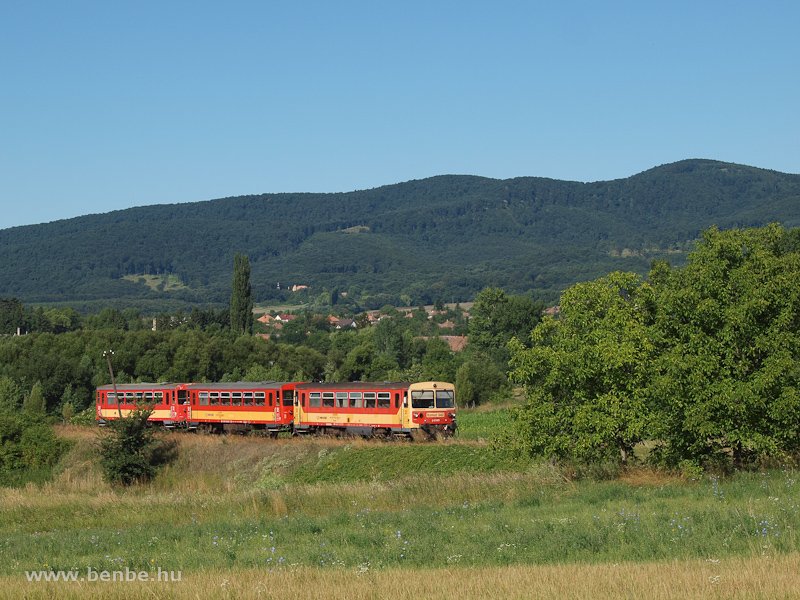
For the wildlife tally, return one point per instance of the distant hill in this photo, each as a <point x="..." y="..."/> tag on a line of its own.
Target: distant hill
<point x="443" y="238"/>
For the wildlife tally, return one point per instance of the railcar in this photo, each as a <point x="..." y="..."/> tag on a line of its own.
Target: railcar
<point x="425" y="409"/>
<point x="167" y="400"/>
<point x="383" y="409"/>
<point x="241" y="406"/>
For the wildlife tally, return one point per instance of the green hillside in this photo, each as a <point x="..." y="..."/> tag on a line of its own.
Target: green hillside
<point x="439" y="238"/>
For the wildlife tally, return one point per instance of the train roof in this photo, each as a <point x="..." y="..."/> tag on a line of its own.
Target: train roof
<point x="137" y="387"/>
<point x="238" y="385"/>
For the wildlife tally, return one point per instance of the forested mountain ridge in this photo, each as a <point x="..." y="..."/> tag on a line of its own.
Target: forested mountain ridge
<point x="445" y="237"/>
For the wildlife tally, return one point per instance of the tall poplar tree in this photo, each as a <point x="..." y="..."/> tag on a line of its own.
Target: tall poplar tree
<point x="241" y="296"/>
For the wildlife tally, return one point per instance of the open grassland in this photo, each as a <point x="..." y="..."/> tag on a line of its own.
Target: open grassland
<point x="241" y="516"/>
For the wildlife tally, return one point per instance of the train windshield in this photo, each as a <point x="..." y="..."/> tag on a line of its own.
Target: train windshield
<point x="445" y="399"/>
<point x="422" y="399"/>
<point x="433" y="399"/>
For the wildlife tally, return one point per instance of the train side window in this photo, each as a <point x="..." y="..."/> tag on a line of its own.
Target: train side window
<point x="315" y="399"/>
<point x="356" y="400"/>
<point x="260" y="398"/>
<point x="247" y="398"/>
<point x="159" y="397"/>
<point x="341" y="399"/>
<point x="288" y="397"/>
<point x="369" y="400"/>
<point x="112" y="398"/>
<point x="130" y="398"/>
<point x="384" y="400"/>
<point x="327" y="399"/>
<point x="203" y="398"/>
<point x="236" y="398"/>
<point x="396" y="400"/>
<point x="225" y="398"/>
<point x="215" y="398"/>
<point x="303" y="396"/>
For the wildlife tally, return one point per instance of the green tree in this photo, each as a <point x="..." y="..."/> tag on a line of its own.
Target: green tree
<point x="727" y="380"/>
<point x="586" y="373"/>
<point x="11" y="395"/>
<point x="497" y="317"/>
<point x="34" y="403"/>
<point x="477" y="379"/>
<point x="12" y="315"/>
<point x="130" y="452"/>
<point x="241" y="296"/>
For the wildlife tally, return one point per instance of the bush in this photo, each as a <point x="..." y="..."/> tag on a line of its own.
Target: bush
<point x="28" y="448"/>
<point x="131" y="452"/>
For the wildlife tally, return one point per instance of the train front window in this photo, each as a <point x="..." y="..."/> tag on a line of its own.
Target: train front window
<point x="445" y="399"/>
<point x="422" y="399"/>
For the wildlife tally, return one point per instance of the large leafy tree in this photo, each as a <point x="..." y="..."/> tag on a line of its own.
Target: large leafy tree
<point x="496" y="317"/>
<point x="586" y="373"/>
<point x="728" y="378"/>
<point x="241" y="296"/>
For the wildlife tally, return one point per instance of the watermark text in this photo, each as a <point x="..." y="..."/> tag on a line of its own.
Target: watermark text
<point x="120" y="576"/>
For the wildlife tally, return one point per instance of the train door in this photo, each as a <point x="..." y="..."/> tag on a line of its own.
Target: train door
<point x="404" y="420"/>
<point x="180" y="406"/>
<point x="287" y="405"/>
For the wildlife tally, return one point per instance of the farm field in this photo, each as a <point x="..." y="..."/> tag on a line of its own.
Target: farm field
<point x="252" y="517"/>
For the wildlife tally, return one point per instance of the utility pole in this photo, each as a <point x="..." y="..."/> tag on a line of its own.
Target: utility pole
<point x="108" y="354"/>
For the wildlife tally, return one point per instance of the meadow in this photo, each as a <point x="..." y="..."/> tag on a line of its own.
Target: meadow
<point x="291" y="518"/>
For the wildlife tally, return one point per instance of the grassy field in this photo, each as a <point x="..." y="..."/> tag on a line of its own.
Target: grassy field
<point x="241" y="516"/>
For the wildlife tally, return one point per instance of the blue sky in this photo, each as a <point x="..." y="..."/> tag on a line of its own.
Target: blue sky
<point x="108" y="105"/>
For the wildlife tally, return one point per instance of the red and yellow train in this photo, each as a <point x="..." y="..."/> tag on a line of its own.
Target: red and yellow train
<point x="369" y="409"/>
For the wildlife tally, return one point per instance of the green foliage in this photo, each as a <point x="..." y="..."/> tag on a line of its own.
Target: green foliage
<point x="130" y="451"/>
<point x="587" y="372"/>
<point x="477" y="380"/>
<point x="11" y="395"/>
<point x="29" y="448"/>
<point x="497" y="317"/>
<point x="443" y="238"/>
<point x="702" y="360"/>
<point x="34" y="403"/>
<point x="11" y="315"/>
<point x="241" y="296"/>
<point x="727" y="381"/>
<point x="86" y="417"/>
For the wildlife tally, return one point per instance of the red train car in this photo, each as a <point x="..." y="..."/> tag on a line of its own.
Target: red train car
<point x="426" y="408"/>
<point x="168" y="401"/>
<point x="241" y="406"/>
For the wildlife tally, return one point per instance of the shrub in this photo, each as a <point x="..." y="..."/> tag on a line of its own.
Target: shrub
<point x="131" y="452"/>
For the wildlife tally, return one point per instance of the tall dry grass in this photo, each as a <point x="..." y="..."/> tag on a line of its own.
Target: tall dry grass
<point x="768" y="577"/>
